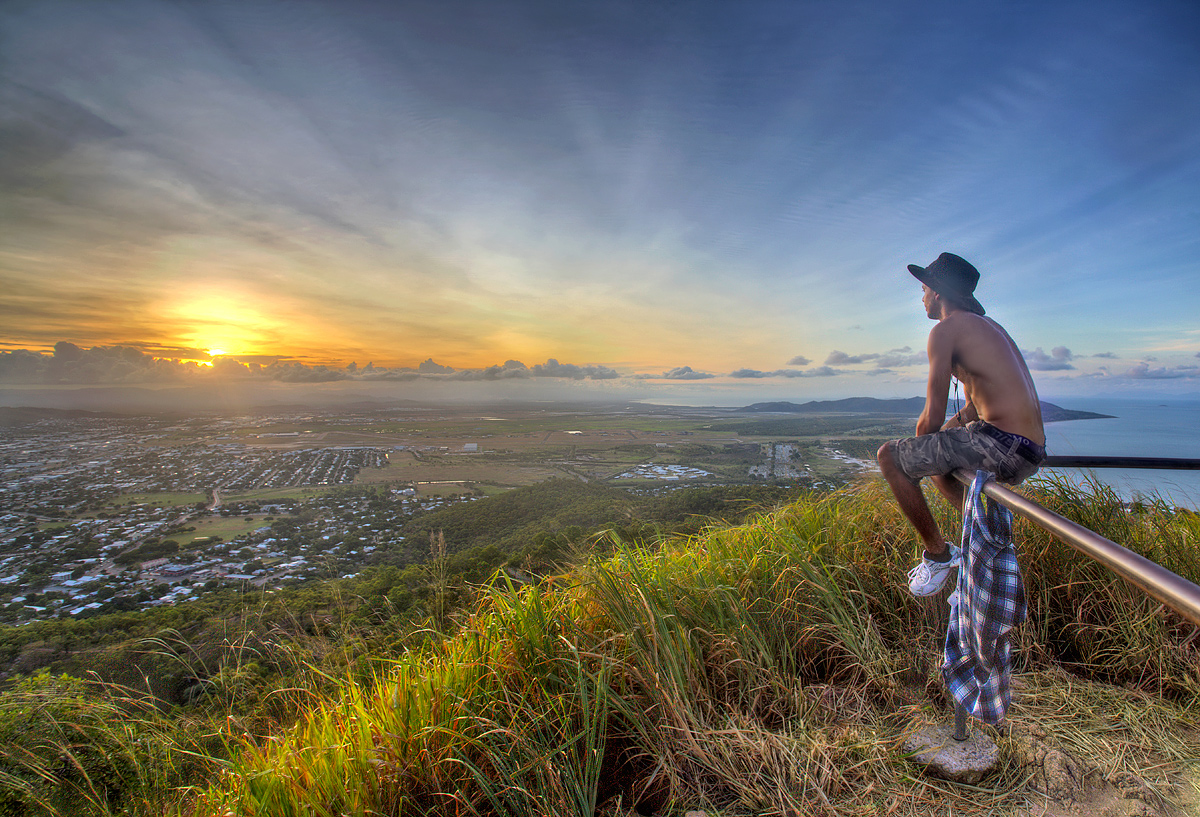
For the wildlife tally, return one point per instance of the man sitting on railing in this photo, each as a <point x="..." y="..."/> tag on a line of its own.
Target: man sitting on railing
<point x="998" y="430"/>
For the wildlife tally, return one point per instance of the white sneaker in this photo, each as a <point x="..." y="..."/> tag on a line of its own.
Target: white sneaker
<point x="928" y="576"/>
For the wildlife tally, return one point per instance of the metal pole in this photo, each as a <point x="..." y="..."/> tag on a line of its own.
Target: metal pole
<point x="1163" y="463"/>
<point x="1174" y="591"/>
<point x="960" y="722"/>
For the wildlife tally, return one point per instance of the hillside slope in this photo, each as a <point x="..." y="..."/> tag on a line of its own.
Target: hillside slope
<point x="772" y="667"/>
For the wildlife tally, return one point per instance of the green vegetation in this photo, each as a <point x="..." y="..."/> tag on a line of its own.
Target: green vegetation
<point x="817" y="426"/>
<point x="72" y="747"/>
<point x="541" y="526"/>
<point x="768" y="667"/>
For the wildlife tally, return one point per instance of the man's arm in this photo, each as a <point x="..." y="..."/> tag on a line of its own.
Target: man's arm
<point x="937" y="392"/>
<point x="963" y="416"/>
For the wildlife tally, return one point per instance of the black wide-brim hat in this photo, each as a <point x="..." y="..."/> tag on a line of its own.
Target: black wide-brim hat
<point x="953" y="278"/>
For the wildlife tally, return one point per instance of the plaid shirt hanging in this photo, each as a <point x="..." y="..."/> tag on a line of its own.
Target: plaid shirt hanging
<point x="988" y="603"/>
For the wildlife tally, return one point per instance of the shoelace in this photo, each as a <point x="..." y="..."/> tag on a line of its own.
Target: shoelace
<point x="920" y="571"/>
<point x="924" y="569"/>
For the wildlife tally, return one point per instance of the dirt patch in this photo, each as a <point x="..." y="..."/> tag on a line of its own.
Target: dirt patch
<point x="1063" y="785"/>
<point x="1106" y="801"/>
<point x="1128" y="797"/>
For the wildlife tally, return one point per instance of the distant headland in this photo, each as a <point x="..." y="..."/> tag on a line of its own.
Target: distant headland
<point x="903" y="407"/>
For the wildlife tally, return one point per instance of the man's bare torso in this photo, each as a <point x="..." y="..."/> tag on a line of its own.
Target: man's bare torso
<point x="993" y="373"/>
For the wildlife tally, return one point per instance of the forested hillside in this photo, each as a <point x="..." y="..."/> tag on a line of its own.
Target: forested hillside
<point x="536" y="530"/>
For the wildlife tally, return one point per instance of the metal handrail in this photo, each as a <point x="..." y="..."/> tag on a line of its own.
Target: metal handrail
<point x="1161" y="584"/>
<point x="1161" y="463"/>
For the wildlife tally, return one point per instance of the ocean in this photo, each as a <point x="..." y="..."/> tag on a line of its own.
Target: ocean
<point x="1139" y="428"/>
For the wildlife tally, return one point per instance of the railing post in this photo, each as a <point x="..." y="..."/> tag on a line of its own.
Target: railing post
<point x="960" y="722"/>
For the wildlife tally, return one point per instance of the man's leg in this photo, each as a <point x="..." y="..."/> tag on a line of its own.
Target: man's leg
<point x="954" y="491"/>
<point x="912" y="503"/>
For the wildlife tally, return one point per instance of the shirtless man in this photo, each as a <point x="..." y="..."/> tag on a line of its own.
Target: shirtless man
<point x="998" y="430"/>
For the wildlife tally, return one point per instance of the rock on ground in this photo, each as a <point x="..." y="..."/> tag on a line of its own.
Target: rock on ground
<point x="968" y="761"/>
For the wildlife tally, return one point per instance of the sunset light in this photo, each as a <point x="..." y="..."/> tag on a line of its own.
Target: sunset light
<point x="662" y="203"/>
<point x="224" y="322"/>
<point x="365" y="365"/>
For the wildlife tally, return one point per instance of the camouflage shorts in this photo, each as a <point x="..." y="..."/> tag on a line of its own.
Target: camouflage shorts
<point x="971" y="449"/>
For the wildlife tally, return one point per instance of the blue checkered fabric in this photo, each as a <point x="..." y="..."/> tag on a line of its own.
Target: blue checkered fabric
<point x="990" y="602"/>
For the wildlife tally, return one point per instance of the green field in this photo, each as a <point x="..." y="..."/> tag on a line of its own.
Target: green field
<point x="161" y="500"/>
<point x="404" y="468"/>
<point x="226" y="527"/>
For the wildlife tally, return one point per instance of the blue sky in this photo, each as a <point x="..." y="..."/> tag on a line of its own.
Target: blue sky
<point x="692" y="201"/>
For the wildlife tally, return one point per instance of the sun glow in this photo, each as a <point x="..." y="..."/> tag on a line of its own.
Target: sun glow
<point x="225" y="323"/>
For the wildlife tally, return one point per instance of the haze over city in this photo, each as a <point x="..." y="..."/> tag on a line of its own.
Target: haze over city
<point x="697" y="202"/>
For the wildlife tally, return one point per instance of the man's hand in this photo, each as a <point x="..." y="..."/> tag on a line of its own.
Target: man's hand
<point x="961" y="417"/>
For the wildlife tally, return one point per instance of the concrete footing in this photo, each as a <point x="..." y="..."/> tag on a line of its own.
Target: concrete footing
<point x="968" y="761"/>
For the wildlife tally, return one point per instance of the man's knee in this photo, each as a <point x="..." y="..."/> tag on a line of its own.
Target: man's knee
<point x="889" y="464"/>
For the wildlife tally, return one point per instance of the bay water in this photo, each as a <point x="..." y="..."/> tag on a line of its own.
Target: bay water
<point x="1138" y="429"/>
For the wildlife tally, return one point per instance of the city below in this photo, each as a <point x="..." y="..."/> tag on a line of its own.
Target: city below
<point x="103" y="513"/>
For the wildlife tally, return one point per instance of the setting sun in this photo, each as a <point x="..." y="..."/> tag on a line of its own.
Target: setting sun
<point x="225" y="322"/>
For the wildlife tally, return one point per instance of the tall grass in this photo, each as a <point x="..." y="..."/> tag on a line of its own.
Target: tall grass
<point x="769" y="668"/>
<point x="73" y="747"/>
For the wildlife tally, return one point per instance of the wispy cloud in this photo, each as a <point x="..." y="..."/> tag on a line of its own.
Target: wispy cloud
<point x="1144" y="371"/>
<point x="753" y="374"/>
<point x="839" y="358"/>
<point x="891" y="359"/>
<point x="1059" y="359"/>
<point x="898" y="358"/>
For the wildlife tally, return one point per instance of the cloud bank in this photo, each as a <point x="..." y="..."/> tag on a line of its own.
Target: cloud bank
<point x="1144" y="371"/>
<point x="128" y="365"/>
<point x="146" y="364"/>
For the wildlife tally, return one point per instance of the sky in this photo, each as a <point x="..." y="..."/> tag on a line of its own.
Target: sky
<point x="698" y="202"/>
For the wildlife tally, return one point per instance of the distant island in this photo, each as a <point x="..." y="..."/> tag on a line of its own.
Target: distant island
<point x="902" y="407"/>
